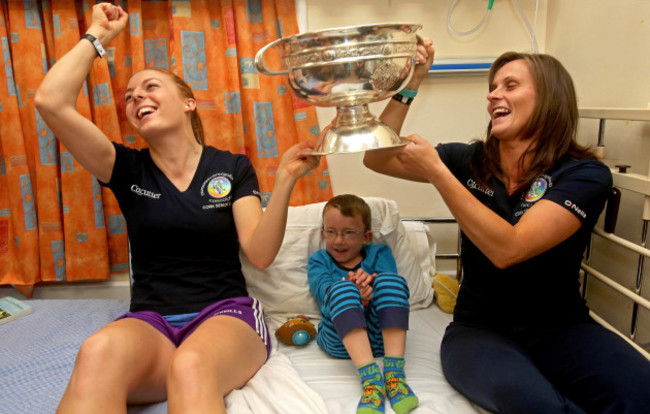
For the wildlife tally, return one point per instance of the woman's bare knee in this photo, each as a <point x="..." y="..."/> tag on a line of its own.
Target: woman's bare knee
<point x="92" y="372"/>
<point x="96" y="353"/>
<point x="186" y="368"/>
<point x="193" y="382"/>
<point x="124" y="357"/>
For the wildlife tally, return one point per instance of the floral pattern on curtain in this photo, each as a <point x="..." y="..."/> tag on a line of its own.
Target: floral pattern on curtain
<point x="56" y="222"/>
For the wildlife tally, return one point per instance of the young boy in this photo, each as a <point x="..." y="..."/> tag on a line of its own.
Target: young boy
<point x="364" y="304"/>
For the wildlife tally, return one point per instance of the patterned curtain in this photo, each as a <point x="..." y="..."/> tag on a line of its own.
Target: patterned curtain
<point x="56" y="222"/>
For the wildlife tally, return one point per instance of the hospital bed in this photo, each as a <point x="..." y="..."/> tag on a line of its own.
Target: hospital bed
<point x="37" y="352"/>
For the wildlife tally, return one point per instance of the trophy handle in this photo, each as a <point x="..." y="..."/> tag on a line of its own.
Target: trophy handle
<point x="259" y="60"/>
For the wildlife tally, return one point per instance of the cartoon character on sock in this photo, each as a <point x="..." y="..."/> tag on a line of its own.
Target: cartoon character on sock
<point x="372" y="397"/>
<point x="394" y="386"/>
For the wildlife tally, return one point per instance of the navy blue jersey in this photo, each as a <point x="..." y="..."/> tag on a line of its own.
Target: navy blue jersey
<point x="184" y="245"/>
<point x="543" y="290"/>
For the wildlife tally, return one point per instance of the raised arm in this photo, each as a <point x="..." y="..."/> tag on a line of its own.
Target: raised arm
<point x="383" y="160"/>
<point x="261" y="234"/>
<point x="57" y="94"/>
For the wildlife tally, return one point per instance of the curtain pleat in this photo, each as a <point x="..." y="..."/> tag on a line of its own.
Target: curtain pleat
<point x="56" y="222"/>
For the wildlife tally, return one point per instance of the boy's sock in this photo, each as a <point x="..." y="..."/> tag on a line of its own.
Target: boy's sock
<point x="402" y="398"/>
<point x="372" y="400"/>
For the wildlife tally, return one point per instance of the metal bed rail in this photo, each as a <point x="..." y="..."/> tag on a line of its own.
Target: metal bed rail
<point x="632" y="295"/>
<point x="637" y="183"/>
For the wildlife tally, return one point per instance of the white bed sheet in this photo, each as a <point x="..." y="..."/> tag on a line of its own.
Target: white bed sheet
<point x="337" y="382"/>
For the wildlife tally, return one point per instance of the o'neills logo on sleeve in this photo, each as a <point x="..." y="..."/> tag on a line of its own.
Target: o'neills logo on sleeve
<point x="143" y="192"/>
<point x="573" y="206"/>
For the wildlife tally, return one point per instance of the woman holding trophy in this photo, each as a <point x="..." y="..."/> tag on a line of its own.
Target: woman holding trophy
<point x="526" y="200"/>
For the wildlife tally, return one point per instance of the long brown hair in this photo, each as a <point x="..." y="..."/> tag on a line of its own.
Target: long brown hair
<point x="186" y="91"/>
<point x="551" y="128"/>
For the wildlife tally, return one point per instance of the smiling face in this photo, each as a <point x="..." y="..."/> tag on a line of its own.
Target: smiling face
<point x="154" y="103"/>
<point x="511" y="101"/>
<point x="347" y="237"/>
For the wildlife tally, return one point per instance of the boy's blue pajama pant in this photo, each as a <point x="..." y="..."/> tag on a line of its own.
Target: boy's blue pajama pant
<point x="343" y="312"/>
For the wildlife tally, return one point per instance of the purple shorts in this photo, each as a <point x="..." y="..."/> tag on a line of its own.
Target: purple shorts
<point x="247" y="309"/>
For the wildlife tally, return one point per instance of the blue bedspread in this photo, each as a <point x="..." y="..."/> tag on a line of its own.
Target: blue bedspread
<point x="37" y="352"/>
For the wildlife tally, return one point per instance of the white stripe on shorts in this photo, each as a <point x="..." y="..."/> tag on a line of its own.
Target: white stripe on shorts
<point x="260" y="326"/>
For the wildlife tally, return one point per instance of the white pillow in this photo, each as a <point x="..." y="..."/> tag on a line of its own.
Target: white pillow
<point x="424" y="245"/>
<point x="282" y="287"/>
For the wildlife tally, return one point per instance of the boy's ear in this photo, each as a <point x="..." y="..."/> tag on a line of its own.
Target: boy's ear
<point x="367" y="237"/>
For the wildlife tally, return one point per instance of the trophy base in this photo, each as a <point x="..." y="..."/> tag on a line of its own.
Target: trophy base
<point x="355" y="129"/>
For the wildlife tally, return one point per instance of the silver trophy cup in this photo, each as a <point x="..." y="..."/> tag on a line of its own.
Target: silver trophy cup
<point x="348" y="68"/>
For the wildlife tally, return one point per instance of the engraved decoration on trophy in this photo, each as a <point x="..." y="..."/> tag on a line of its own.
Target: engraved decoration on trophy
<point x="348" y="67"/>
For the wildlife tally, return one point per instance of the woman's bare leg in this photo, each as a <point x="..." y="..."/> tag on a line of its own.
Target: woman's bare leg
<point x="221" y="355"/>
<point x="127" y="360"/>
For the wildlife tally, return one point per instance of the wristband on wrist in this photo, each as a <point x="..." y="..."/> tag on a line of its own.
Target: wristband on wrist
<point x="96" y="43"/>
<point x="402" y="99"/>
<point x="408" y="93"/>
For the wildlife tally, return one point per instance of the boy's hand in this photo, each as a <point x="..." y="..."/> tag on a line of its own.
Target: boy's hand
<point x="363" y="280"/>
<point x="366" y="294"/>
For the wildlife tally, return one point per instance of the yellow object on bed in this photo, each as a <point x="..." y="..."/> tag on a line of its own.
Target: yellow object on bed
<point x="446" y="290"/>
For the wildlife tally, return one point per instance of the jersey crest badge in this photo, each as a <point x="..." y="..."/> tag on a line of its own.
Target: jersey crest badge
<point x="219" y="187"/>
<point x="537" y="190"/>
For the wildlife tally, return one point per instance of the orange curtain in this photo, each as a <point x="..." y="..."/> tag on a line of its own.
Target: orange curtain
<point x="56" y="222"/>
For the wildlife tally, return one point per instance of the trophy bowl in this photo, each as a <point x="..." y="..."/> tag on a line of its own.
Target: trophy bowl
<point x="348" y="67"/>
